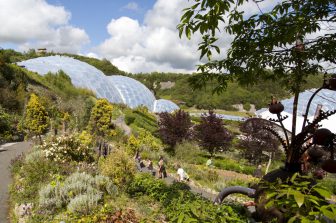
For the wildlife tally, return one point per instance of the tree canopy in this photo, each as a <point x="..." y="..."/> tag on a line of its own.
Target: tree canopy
<point x="211" y="133"/>
<point x="292" y="39"/>
<point x="287" y="42"/>
<point x="175" y="127"/>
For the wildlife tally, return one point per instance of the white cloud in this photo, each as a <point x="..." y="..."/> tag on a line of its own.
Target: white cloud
<point x="153" y="45"/>
<point x="133" y="6"/>
<point x="93" y="55"/>
<point x="35" y="23"/>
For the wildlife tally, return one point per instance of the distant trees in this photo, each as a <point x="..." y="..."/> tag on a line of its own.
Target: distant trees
<point x="211" y="133"/>
<point x="36" y="119"/>
<point x="175" y="127"/>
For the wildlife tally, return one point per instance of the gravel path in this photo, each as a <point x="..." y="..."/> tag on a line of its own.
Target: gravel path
<point x="8" y="152"/>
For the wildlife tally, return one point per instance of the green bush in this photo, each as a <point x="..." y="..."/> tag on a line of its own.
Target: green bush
<point x="299" y="200"/>
<point x="329" y="183"/>
<point x="34" y="171"/>
<point x="141" y="118"/>
<point x="84" y="203"/>
<point x="247" y="106"/>
<point x="186" y="150"/>
<point x="129" y="119"/>
<point x="119" y="166"/>
<point x="180" y="205"/>
<point x="212" y="175"/>
<point x="79" y="192"/>
<point x="229" y="164"/>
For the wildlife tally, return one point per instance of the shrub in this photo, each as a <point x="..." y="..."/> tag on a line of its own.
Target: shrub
<point x="186" y="151"/>
<point x="84" y="203"/>
<point x="85" y="138"/>
<point x="247" y="106"/>
<point x="79" y="192"/>
<point x="67" y="148"/>
<point x="299" y="200"/>
<point x="180" y="205"/>
<point x="34" y="156"/>
<point x="212" y="175"/>
<point x="119" y="167"/>
<point x="144" y="141"/>
<point x="330" y="183"/>
<point x="34" y="172"/>
<point x="129" y="118"/>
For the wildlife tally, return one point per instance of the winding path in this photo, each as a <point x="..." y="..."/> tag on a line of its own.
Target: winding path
<point x="8" y="152"/>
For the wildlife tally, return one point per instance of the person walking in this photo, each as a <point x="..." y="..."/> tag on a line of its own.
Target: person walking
<point x="162" y="168"/>
<point x="150" y="167"/>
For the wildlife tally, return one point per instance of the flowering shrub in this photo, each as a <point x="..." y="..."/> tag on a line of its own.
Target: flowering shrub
<point x="67" y="148"/>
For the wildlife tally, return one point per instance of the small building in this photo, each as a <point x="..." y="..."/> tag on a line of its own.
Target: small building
<point x="41" y="51"/>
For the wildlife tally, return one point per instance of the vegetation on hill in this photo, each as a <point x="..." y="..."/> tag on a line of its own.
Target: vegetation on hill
<point x="183" y="94"/>
<point x="104" y="65"/>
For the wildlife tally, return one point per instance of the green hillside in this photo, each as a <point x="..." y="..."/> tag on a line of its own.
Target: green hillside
<point x="183" y="94"/>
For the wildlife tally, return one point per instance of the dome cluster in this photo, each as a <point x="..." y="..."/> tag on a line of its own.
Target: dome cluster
<point x="115" y="88"/>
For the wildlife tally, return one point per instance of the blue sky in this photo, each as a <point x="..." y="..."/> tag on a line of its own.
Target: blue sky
<point x="137" y="36"/>
<point x="94" y="15"/>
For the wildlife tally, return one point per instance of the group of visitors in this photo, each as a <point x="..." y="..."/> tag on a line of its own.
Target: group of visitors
<point x="141" y="166"/>
<point x="162" y="172"/>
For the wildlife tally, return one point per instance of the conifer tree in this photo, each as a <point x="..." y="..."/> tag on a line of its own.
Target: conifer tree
<point x="36" y="118"/>
<point x="100" y="120"/>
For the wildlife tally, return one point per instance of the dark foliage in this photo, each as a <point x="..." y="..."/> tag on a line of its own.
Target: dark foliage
<point x="12" y="85"/>
<point x="258" y="140"/>
<point x="174" y="128"/>
<point x="211" y="133"/>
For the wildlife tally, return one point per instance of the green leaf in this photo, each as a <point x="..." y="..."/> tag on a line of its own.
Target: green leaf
<point x="330" y="214"/>
<point x="180" y="218"/>
<point x="188" y="32"/>
<point x="299" y="198"/>
<point x="293" y="177"/>
<point x="194" y="211"/>
<point x="292" y="219"/>
<point x="324" y="193"/>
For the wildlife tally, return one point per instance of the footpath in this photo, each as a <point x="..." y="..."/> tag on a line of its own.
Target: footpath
<point x="8" y="152"/>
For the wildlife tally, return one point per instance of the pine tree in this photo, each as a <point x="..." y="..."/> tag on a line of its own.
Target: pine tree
<point x="36" y="118"/>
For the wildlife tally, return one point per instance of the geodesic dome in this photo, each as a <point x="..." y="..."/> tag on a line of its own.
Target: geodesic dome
<point x="115" y="88"/>
<point x="163" y="105"/>
<point x="325" y="97"/>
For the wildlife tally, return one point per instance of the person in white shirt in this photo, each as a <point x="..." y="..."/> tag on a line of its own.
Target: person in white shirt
<point x="181" y="173"/>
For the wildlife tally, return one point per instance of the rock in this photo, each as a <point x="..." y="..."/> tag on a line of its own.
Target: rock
<point x="166" y="85"/>
<point x="23" y="211"/>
